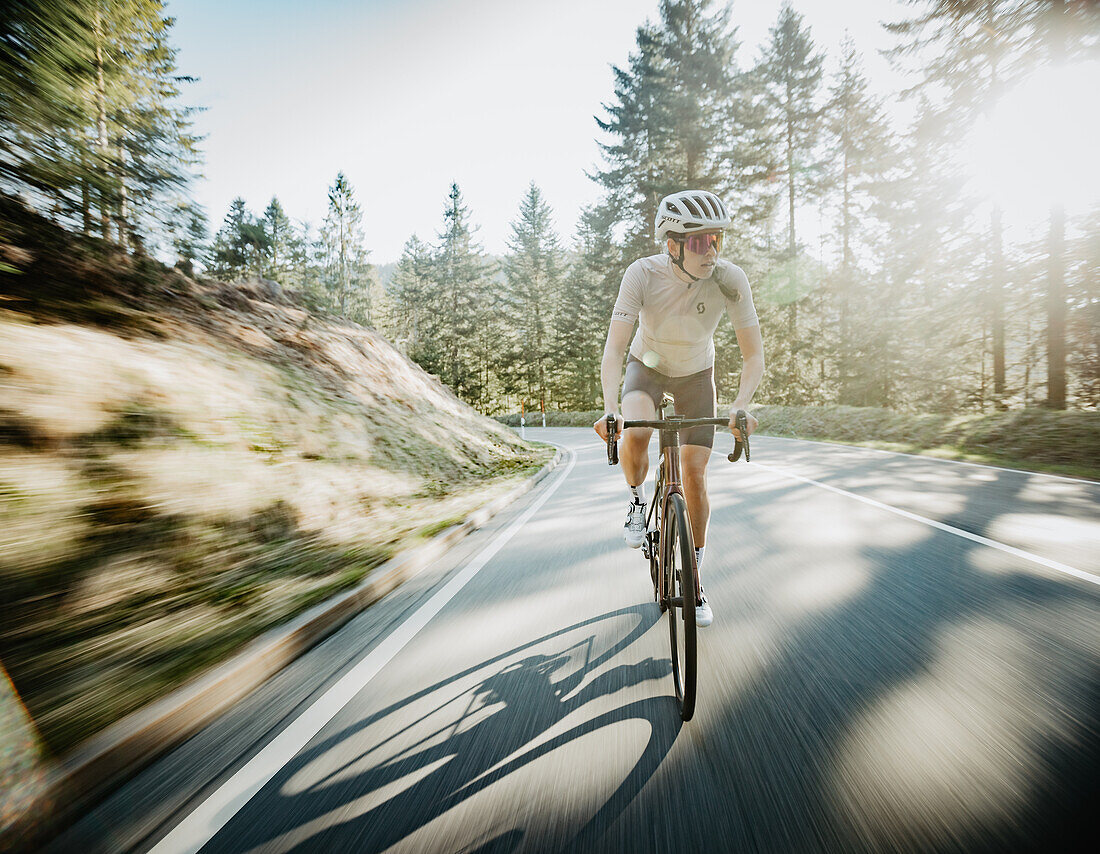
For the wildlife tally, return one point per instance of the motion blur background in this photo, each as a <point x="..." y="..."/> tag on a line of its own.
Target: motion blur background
<point x="243" y="244"/>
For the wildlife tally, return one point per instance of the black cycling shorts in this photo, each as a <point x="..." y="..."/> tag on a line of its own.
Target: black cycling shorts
<point x="695" y="396"/>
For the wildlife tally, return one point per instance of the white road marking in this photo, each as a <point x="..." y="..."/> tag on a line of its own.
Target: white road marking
<point x="1042" y="561"/>
<point x="214" y="813"/>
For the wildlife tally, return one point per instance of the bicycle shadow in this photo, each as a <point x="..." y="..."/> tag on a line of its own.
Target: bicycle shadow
<point x="466" y="741"/>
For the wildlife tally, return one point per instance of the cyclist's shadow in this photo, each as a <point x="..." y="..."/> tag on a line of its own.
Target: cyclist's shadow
<point x="509" y="710"/>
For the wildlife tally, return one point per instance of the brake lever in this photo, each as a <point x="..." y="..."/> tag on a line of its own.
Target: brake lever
<point x="612" y="445"/>
<point x="742" y="424"/>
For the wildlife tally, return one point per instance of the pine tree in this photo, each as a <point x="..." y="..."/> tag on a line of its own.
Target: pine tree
<point x="142" y="137"/>
<point x="584" y="310"/>
<point x="1083" y="321"/>
<point x="698" y="50"/>
<point x="861" y="153"/>
<point x="458" y="349"/>
<point x="789" y="75"/>
<point x="257" y="247"/>
<point x="668" y="129"/>
<point x="749" y="157"/>
<point x="188" y="233"/>
<point x="534" y="272"/>
<point x="968" y="52"/>
<point x="92" y="125"/>
<point x="632" y="179"/>
<point x="306" y="268"/>
<point x="1062" y="32"/>
<point x="46" y="61"/>
<point x="926" y="334"/>
<point x="346" y="268"/>
<point x="412" y="295"/>
<point x="281" y="239"/>
<point x="787" y="81"/>
<point x="229" y="254"/>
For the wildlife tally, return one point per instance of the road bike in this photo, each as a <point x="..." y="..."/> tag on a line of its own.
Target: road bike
<point x="668" y="544"/>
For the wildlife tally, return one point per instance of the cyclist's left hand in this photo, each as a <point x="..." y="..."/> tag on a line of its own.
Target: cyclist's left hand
<point x="750" y="422"/>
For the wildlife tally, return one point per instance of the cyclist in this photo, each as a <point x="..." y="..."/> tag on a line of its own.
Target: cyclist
<point x="677" y="298"/>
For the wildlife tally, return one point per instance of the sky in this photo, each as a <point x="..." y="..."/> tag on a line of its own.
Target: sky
<point x="407" y="96"/>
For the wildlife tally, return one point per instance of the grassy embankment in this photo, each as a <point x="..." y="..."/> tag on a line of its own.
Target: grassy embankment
<point x="1034" y="439"/>
<point x="185" y="465"/>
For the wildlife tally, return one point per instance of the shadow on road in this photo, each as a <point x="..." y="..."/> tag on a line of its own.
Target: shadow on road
<point x="457" y="746"/>
<point x="950" y="703"/>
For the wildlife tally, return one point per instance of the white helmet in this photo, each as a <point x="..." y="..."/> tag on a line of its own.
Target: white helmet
<point x="689" y="211"/>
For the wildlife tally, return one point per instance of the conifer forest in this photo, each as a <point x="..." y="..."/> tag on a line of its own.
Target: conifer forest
<point x="910" y="295"/>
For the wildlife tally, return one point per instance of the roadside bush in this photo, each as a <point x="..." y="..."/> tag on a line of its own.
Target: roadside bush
<point x="1066" y="441"/>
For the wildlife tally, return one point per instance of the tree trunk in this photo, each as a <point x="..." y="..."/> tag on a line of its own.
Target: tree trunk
<point x="101" y="124"/>
<point x="996" y="298"/>
<point x="1056" y="310"/>
<point x="983" y="387"/>
<point x="85" y="190"/>
<point x="343" y="270"/>
<point x="997" y="272"/>
<point x="1056" y="266"/>
<point x="845" y="290"/>
<point x="792" y="243"/>
<point x="123" y="201"/>
<point x="1027" y="364"/>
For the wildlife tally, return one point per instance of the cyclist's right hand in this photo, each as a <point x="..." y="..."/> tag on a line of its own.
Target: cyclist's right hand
<point x="601" y="425"/>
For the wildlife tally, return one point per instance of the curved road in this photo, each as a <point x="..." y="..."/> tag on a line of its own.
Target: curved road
<point x="904" y="657"/>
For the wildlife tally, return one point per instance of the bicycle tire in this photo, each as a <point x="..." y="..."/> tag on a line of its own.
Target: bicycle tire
<point x="678" y="559"/>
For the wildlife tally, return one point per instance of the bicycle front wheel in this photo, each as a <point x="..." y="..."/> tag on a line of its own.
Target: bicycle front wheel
<point x="678" y="559"/>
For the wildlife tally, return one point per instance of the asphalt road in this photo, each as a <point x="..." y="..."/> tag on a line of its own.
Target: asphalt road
<point x="904" y="657"/>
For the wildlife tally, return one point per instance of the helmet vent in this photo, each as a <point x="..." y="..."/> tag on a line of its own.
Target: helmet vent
<point x="689" y="211"/>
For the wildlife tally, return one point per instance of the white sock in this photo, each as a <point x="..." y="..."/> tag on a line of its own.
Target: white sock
<point x="699" y="555"/>
<point x="638" y="492"/>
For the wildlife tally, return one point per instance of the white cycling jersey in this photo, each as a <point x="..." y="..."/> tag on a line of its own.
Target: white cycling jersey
<point x="676" y="321"/>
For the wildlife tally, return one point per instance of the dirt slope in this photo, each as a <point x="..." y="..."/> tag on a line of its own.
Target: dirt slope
<point x="184" y="465"/>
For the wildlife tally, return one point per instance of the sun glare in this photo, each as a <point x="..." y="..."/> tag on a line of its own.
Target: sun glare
<point x="1037" y="146"/>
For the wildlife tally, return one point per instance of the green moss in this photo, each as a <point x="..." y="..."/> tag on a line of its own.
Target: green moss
<point x="439" y="526"/>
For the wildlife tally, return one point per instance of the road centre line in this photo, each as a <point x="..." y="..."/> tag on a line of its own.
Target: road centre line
<point x="1042" y="561"/>
<point x="200" y="826"/>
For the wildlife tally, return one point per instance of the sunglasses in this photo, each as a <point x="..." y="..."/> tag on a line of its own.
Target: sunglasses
<point x="700" y="243"/>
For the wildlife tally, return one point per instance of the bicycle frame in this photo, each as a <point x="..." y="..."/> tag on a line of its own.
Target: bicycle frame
<point x="668" y="483"/>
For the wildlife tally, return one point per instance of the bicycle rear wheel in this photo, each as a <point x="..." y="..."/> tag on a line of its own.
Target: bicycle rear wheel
<point x="678" y="559"/>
